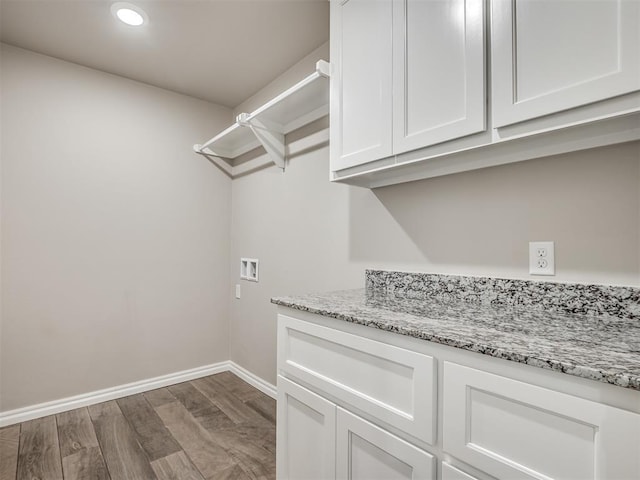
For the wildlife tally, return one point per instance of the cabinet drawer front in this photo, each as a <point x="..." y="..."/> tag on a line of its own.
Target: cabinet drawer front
<point x="392" y="384"/>
<point x="555" y="55"/>
<point x="306" y="430"/>
<point x="512" y="429"/>
<point x="367" y="452"/>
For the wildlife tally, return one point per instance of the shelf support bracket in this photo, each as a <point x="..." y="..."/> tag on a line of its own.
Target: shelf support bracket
<point x="213" y="158"/>
<point x="270" y="136"/>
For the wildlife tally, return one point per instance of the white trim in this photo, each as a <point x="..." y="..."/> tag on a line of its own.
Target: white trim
<point x="62" y="405"/>
<point x="19" y="415"/>
<point x="253" y="380"/>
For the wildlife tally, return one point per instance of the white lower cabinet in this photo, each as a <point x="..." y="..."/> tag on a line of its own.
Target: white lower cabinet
<point x="359" y="403"/>
<point x="318" y="440"/>
<point x="367" y="452"/>
<point x="512" y="429"/>
<point x="394" y="385"/>
<point x="449" y="472"/>
<point x="306" y="434"/>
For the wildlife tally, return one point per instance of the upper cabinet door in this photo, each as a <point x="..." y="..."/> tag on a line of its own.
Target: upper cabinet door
<point x="553" y="55"/>
<point x="439" y="71"/>
<point x="361" y="55"/>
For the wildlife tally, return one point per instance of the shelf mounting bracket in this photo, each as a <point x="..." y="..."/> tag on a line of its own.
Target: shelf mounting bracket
<point x="271" y="137"/>
<point x="214" y="158"/>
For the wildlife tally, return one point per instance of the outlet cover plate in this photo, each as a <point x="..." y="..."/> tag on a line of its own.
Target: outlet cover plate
<point x="542" y="259"/>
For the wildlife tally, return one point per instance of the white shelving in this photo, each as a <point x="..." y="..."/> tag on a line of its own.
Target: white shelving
<point x="306" y="101"/>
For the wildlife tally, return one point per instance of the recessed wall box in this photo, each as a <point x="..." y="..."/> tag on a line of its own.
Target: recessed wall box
<point x="249" y="269"/>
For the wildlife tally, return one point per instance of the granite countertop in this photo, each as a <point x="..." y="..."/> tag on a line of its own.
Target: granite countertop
<point x="600" y="347"/>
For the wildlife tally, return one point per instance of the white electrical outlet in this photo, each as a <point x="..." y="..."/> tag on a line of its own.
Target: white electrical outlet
<point x="237" y="290"/>
<point x="542" y="259"/>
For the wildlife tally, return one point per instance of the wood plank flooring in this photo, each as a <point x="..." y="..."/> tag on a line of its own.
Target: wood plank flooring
<point x="213" y="428"/>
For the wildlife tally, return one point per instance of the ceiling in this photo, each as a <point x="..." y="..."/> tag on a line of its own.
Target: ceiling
<point x="218" y="50"/>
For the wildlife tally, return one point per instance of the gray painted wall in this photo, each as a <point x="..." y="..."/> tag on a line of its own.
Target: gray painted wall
<point x="120" y="247"/>
<point x="311" y="235"/>
<point x="115" y="236"/>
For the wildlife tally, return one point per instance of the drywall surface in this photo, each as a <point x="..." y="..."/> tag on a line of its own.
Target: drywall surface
<point x="115" y="235"/>
<point x="302" y="69"/>
<point x="311" y="235"/>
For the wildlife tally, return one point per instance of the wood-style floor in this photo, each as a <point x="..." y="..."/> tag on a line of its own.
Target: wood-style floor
<point x="216" y="427"/>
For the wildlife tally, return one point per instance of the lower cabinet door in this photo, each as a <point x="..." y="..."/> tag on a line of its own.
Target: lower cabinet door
<point x="306" y="428"/>
<point x="450" y="472"/>
<point x="367" y="452"/>
<point x="515" y="430"/>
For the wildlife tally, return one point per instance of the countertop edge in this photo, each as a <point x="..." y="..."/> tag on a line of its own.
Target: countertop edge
<point x="612" y="378"/>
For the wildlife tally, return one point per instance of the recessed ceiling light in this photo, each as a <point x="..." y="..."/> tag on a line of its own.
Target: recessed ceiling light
<point x="129" y="13"/>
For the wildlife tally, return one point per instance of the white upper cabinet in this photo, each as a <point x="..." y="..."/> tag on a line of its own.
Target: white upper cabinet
<point x="361" y="55"/>
<point x="553" y="55"/>
<point x="438" y="67"/>
<point x="406" y="74"/>
<point x="413" y="95"/>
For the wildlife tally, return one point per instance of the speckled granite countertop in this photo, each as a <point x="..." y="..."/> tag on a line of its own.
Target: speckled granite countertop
<point x="597" y="346"/>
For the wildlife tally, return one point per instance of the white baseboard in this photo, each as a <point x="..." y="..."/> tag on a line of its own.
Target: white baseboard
<point x="253" y="380"/>
<point x="18" y="415"/>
